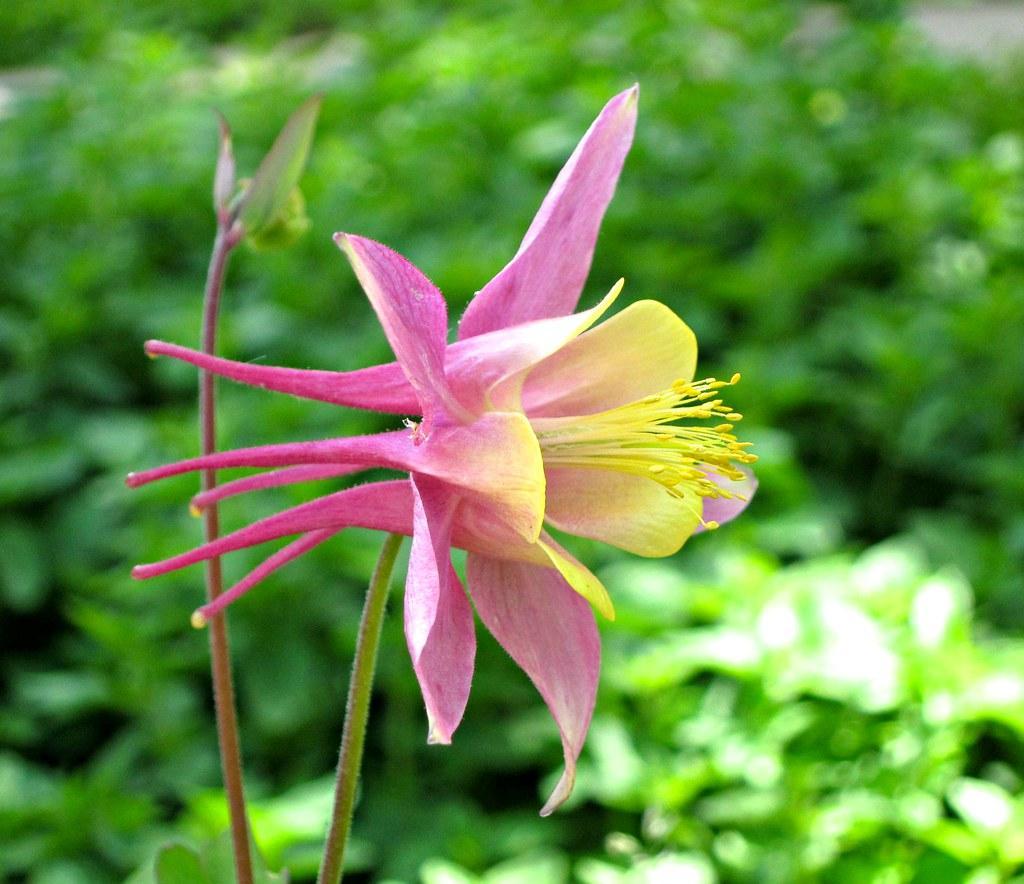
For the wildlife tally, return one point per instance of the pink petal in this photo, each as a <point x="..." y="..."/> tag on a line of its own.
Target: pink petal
<point x="262" y="571"/>
<point x="380" y="388"/>
<point x="274" y="479"/>
<point x="384" y="506"/>
<point x="480" y="527"/>
<point x="723" y="510"/>
<point x="637" y="352"/>
<point x="546" y="275"/>
<point x="549" y="630"/>
<point x="627" y="511"/>
<point x="414" y="316"/>
<point x="438" y="619"/>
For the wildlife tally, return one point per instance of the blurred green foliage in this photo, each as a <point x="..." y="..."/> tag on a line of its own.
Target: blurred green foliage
<point x="829" y="689"/>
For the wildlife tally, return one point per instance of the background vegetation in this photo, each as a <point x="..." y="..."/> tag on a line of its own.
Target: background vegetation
<point x="830" y="689"/>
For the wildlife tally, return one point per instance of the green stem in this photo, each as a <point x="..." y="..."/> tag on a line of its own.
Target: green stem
<point x="220" y="654"/>
<point x="357" y="711"/>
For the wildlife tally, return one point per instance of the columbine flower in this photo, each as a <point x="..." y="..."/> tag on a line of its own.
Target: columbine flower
<point x="531" y="418"/>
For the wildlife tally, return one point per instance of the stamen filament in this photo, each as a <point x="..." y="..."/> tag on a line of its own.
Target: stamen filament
<point x="643" y="438"/>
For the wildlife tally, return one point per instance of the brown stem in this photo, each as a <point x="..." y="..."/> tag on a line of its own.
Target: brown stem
<point x="220" y="656"/>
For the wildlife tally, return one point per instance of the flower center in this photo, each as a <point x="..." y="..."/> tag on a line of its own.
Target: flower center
<point x="644" y="438"/>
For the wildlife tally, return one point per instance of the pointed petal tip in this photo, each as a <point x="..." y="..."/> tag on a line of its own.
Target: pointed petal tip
<point x="222" y="123"/>
<point x="602" y="306"/>
<point x="560" y="794"/>
<point x="437" y="737"/>
<point x="344" y="242"/>
<point x="626" y="100"/>
<point x="348" y="242"/>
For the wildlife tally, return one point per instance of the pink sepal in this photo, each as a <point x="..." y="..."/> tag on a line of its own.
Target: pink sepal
<point x="549" y="630"/>
<point x="438" y="619"/>
<point x="547" y="274"/>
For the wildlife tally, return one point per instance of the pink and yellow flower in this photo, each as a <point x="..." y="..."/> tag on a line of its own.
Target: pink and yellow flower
<point x="535" y="417"/>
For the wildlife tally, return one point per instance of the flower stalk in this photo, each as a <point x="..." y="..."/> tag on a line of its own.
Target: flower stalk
<point x="227" y="238"/>
<point x="357" y="710"/>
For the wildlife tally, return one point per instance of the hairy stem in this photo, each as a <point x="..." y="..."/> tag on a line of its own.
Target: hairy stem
<point x="220" y="656"/>
<point x="357" y="711"/>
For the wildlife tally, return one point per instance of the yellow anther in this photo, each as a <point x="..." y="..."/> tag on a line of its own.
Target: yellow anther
<point x="735" y="379"/>
<point x="198" y="620"/>
<point x="712" y="525"/>
<point x="655" y="437"/>
<point x="194" y="511"/>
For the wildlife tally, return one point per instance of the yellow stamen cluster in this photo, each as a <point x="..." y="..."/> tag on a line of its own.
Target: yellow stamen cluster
<point x="643" y="438"/>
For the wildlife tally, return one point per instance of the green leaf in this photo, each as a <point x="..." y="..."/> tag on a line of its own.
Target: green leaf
<point x="178" y="864"/>
<point x="219" y="861"/>
<point x="213" y="863"/>
<point x="268" y="196"/>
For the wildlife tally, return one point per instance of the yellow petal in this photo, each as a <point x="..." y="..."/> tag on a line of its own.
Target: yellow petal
<point x="578" y="576"/>
<point x="628" y="511"/>
<point x="637" y="352"/>
<point x="542" y="337"/>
